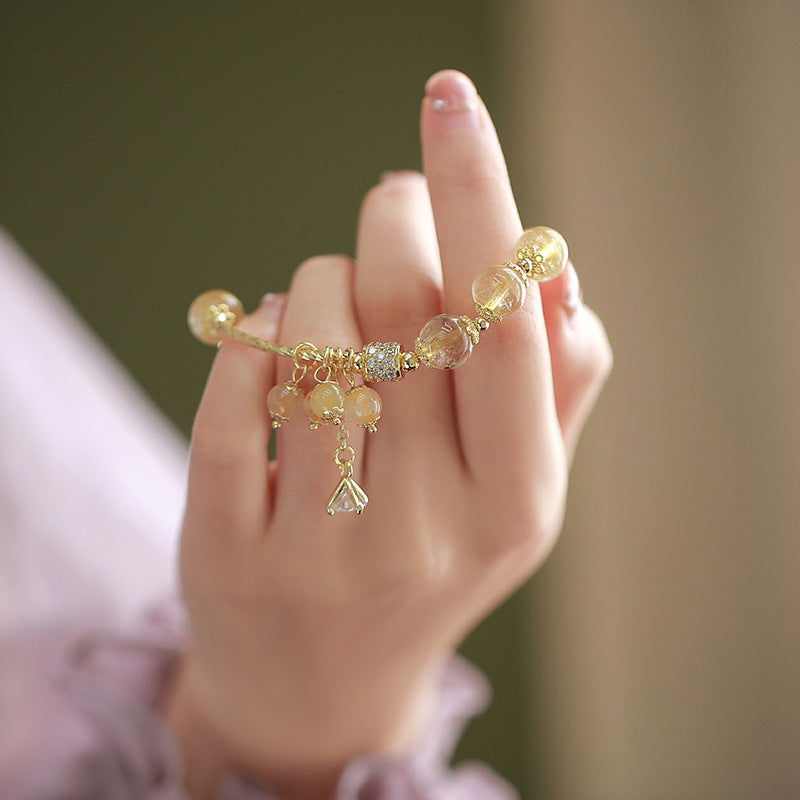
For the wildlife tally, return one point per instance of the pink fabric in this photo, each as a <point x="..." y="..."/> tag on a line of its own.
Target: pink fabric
<point x="92" y="480"/>
<point x="82" y="711"/>
<point x="92" y="476"/>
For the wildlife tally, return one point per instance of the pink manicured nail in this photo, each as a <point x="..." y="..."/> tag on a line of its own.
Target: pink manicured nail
<point x="452" y="94"/>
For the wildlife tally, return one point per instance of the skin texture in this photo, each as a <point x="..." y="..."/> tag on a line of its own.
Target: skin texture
<point x="317" y="639"/>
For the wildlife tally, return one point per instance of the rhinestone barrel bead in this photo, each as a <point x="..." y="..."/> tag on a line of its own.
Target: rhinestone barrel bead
<point x="325" y="403"/>
<point x="498" y="290"/>
<point x="283" y="401"/>
<point x="210" y="309"/>
<point x="444" y="342"/>
<point x="362" y="405"/>
<point x="381" y="362"/>
<point x="547" y="251"/>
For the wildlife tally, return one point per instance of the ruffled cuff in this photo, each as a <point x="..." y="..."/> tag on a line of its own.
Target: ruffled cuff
<point x="87" y="717"/>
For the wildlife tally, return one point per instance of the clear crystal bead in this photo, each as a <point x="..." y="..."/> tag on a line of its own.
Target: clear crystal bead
<point x="546" y="249"/>
<point x="444" y="342"/>
<point x="499" y="290"/>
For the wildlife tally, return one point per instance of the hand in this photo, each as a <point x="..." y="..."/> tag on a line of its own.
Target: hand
<point x="317" y="639"/>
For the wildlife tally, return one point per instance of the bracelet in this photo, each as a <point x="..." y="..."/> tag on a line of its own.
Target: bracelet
<point x="445" y="342"/>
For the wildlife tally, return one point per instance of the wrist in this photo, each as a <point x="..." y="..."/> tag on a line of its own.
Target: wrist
<point x="295" y="743"/>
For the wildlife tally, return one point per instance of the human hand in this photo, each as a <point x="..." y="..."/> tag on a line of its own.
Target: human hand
<point x="316" y="639"/>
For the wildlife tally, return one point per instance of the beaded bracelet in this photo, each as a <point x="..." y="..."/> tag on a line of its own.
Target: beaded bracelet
<point x="445" y="342"/>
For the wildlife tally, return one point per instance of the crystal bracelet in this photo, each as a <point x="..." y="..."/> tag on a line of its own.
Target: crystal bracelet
<point x="445" y="342"/>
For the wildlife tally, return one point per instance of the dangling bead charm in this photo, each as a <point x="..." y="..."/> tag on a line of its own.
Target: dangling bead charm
<point x="542" y="252"/>
<point x="283" y="401"/>
<point x="324" y="404"/>
<point x="362" y="405"/>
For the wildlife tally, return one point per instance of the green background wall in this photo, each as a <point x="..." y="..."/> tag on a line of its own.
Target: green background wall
<point x="149" y="151"/>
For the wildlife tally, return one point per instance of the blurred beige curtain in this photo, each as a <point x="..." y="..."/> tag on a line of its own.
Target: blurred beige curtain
<point x="663" y="139"/>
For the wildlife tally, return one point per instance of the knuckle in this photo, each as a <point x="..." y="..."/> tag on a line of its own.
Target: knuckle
<point x="428" y="562"/>
<point x="477" y="175"/>
<point x="589" y="359"/>
<point x="398" y="305"/>
<point x="422" y="561"/>
<point x="531" y="524"/>
<point x="605" y="358"/>
<point x="212" y="449"/>
<point x="601" y="360"/>
<point x="216" y="449"/>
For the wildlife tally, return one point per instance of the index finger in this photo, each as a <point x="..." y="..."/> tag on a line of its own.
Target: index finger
<point x="504" y="394"/>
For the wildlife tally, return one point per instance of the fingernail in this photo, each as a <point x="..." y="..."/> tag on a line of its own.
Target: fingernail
<point x="573" y="296"/>
<point x="271" y="302"/>
<point x="400" y="173"/>
<point x="453" y="96"/>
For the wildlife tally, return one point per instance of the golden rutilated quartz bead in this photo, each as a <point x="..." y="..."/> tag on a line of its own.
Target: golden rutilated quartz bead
<point x="210" y="309"/>
<point x="546" y="250"/>
<point x="283" y="401"/>
<point x="325" y="404"/>
<point x="444" y="342"/>
<point x="498" y="290"/>
<point x="362" y="405"/>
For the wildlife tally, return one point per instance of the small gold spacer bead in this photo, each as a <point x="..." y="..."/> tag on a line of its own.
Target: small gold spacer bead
<point x="372" y="427"/>
<point x="410" y="362"/>
<point x="526" y="264"/>
<point x="472" y="329"/>
<point x="483" y="324"/>
<point x="312" y="426"/>
<point x="275" y="424"/>
<point x="519" y="270"/>
<point x="488" y="315"/>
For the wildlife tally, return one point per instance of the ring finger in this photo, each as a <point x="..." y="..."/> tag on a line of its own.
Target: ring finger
<point x="319" y="310"/>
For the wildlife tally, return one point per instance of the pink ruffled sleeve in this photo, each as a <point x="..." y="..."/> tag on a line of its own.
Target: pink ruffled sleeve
<point x="79" y="719"/>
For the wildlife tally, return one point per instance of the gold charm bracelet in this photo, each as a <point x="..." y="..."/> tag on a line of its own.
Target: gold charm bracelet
<point x="445" y="342"/>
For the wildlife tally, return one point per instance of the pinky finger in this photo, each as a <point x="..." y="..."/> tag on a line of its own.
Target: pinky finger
<point x="580" y="354"/>
<point x="228" y="469"/>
